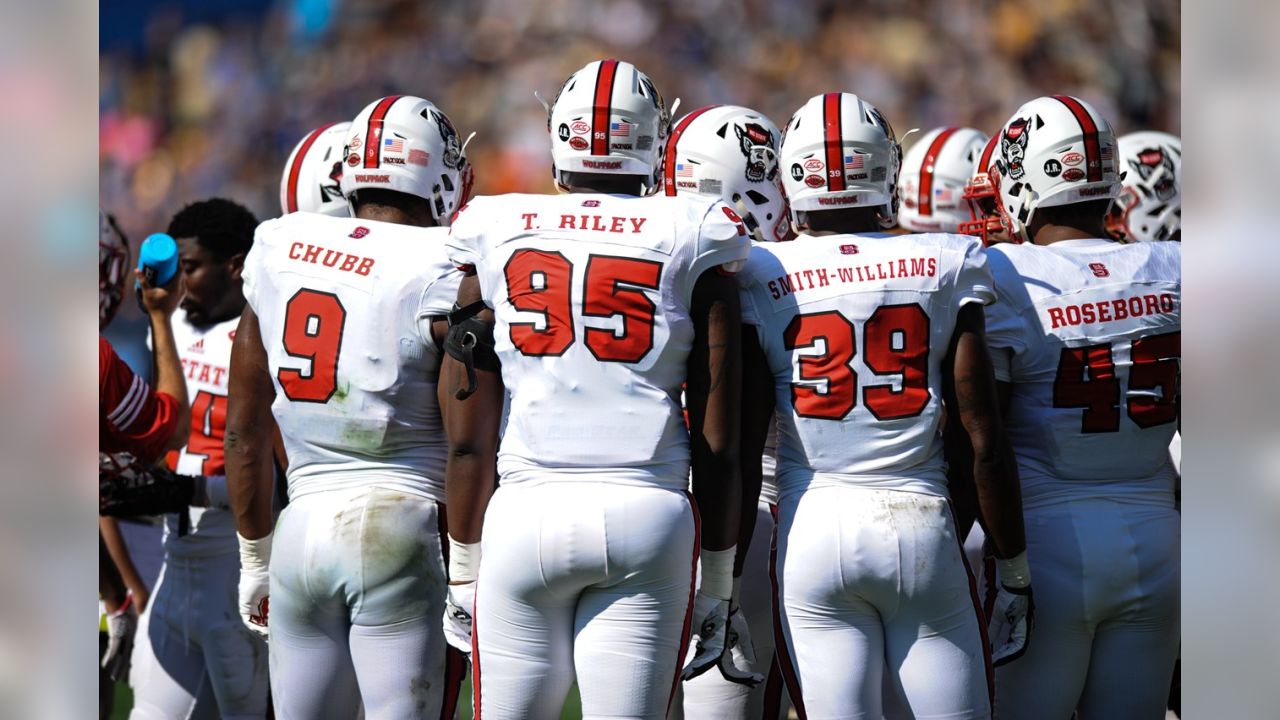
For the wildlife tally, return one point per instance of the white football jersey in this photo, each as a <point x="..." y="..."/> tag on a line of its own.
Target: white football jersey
<point x="1090" y="334"/>
<point x="591" y="294"/>
<point x="205" y="353"/>
<point x="855" y="328"/>
<point x="345" y="308"/>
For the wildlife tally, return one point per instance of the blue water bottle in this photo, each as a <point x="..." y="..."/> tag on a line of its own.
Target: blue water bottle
<point x="158" y="261"/>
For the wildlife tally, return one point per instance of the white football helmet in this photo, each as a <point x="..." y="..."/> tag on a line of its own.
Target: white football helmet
<point x="608" y="118"/>
<point x="730" y="153"/>
<point x="407" y="144"/>
<point x="984" y="198"/>
<point x="1150" y="203"/>
<point x="312" y="176"/>
<point x="838" y="151"/>
<point x="1055" y="150"/>
<point x="934" y="174"/>
<point x="113" y="268"/>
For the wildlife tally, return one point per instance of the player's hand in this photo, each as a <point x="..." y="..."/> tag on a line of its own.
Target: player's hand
<point x="457" y="615"/>
<point x="709" y="635"/>
<point x="739" y="656"/>
<point x="160" y="300"/>
<point x="255" y="583"/>
<point x="1011" y="622"/>
<point x="121" y="626"/>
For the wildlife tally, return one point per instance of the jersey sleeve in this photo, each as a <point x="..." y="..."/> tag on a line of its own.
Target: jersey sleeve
<point x="1006" y="332"/>
<point x="747" y="287"/>
<point x="254" y="271"/>
<point x="722" y="242"/>
<point x="973" y="281"/>
<point x="438" y="298"/>
<point x="466" y="237"/>
<point x="138" y="419"/>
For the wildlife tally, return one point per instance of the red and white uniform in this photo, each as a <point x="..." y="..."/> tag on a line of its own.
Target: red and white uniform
<point x="589" y="544"/>
<point x="132" y="417"/>
<point x="357" y="572"/>
<point x="192" y="656"/>
<point x="1088" y="334"/>
<point x="870" y="580"/>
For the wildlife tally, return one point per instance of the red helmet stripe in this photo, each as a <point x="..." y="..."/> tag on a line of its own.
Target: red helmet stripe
<point x="926" y="170"/>
<point x="831" y="133"/>
<point x="373" y="133"/>
<point x="984" y="163"/>
<point x="1092" y="151"/>
<point x="669" y="161"/>
<point x="295" y="168"/>
<point x="602" y="108"/>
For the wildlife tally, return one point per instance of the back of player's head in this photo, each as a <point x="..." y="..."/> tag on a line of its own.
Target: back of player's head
<point x="730" y="153"/>
<point x="1150" y="203"/>
<point x="934" y="174"/>
<point x="608" y="119"/>
<point x="313" y="174"/>
<point x="113" y="267"/>
<point x="406" y="144"/>
<point x="1054" y="150"/>
<point x="222" y="227"/>
<point x="839" y="152"/>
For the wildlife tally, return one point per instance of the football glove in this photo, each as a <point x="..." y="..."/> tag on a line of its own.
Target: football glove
<point x="1013" y="615"/>
<point x="709" y="635"/>
<point x="457" y="615"/>
<point x="127" y="487"/>
<point x="255" y="582"/>
<point x="121" y="626"/>
<point x="739" y="656"/>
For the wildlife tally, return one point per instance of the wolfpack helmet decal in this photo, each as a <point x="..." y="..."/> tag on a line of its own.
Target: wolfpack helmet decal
<point x="934" y="176"/>
<point x="1054" y="150"/>
<point x="730" y="152"/>
<point x="312" y="180"/>
<point x="1150" y="203"/>
<point x="406" y="144"/>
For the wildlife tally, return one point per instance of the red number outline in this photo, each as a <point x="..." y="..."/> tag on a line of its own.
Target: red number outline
<point x="300" y="387"/>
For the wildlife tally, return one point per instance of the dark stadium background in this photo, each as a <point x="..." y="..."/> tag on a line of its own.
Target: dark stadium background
<point x="207" y="98"/>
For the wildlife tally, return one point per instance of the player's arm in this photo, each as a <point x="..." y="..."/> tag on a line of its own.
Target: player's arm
<point x="160" y="304"/>
<point x="248" y="449"/>
<point x="757" y="409"/>
<point x="470" y="393"/>
<point x="122" y="616"/>
<point x="970" y="388"/>
<point x="109" y="529"/>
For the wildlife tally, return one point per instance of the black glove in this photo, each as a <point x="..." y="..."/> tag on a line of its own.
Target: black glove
<point x="127" y="488"/>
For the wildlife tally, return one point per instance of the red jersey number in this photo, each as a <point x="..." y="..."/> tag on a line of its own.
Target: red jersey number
<point x="1087" y="379"/>
<point x="208" y="423"/>
<point x="895" y="341"/>
<point x="542" y="282"/>
<point x="313" y="325"/>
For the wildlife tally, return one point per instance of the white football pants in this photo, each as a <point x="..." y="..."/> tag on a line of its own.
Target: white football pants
<point x="357" y="596"/>
<point x="709" y="696"/>
<point x="1106" y="579"/>
<point x="583" y="579"/>
<point x="875" y="599"/>
<point x="192" y="657"/>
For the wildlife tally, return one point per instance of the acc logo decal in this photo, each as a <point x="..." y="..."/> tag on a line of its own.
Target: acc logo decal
<point x="813" y="165"/>
<point x="580" y="128"/>
<point x="1072" y="158"/>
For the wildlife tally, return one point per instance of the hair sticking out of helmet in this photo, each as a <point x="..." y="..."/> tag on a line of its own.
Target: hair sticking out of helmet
<point x="935" y="172"/>
<point x="730" y="153"/>
<point x="608" y="119"/>
<point x="838" y="153"/>
<point x="113" y="267"/>
<point x="313" y="174"/>
<point x="408" y="145"/>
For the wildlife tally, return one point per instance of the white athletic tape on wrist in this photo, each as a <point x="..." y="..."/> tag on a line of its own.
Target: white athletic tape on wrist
<point x="1015" y="572"/>
<point x="255" y="554"/>
<point x="464" y="561"/>
<point x="717" y="572"/>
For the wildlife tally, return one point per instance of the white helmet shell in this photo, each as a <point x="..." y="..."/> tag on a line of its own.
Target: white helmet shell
<point x="312" y="176"/>
<point x="1150" y="204"/>
<point x="608" y="118"/>
<point x="934" y="174"/>
<point x="839" y="152"/>
<point x="1055" y="150"/>
<point x="407" y="144"/>
<point x="730" y="153"/>
<point x="113" y="268"/>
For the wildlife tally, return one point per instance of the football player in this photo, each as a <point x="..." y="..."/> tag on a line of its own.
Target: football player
<point x="341" y="343"/>
<point x="1150" y="204"/>
<point x="193" y="656"/>
<point x="731" y="153"/>
<point x="596" y="305"/>
<point x="1086" y="342"/>
<point x="312" y="180"/>
<point x="982" y="198"/>
<point x="934" y="174"/>
<point x="862" y="341"/>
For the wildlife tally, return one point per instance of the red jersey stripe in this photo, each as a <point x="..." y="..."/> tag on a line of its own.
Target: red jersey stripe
<point x="295" y="168"/>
